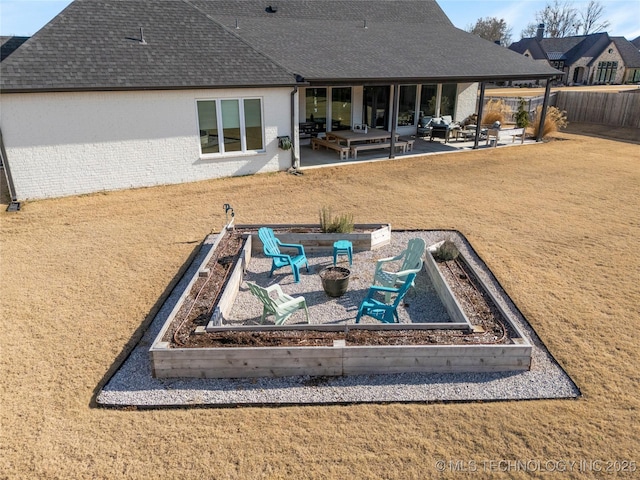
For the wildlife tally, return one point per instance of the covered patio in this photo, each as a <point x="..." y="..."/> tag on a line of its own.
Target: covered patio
<point x="310" y="158"/>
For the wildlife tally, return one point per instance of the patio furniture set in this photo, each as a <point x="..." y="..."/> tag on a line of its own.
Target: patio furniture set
<point x="445" y="128"/>
<point x="349" y="142"/>
<point x="383" y="297"/>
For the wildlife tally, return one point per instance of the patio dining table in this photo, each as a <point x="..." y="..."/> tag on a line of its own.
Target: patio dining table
<point x="371" y="136"/>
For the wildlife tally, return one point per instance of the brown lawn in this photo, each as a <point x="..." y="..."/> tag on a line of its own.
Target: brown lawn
<point x="558" y="223"/>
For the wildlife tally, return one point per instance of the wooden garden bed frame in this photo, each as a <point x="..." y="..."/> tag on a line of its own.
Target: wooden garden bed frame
<point x="339" y="359"/>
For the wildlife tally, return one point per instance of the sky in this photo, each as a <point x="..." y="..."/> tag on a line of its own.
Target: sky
<point x="26" y="17"/>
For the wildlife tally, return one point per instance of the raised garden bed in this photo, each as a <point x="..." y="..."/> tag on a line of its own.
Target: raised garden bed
<point x="265" y="350"/>
<point x="366" y="236"/>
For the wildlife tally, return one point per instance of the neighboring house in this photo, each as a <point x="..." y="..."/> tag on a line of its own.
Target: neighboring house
<point x="8" y="45"/>
<point x="129" y="93"/>
<point x="636" y="42"/>
<point x="586" y="59"/>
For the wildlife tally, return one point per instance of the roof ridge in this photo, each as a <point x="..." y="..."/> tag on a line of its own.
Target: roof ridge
<point x="238" y="37"/>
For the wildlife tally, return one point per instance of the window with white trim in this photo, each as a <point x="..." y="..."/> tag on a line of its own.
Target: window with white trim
<point x="606" y="72"/>
<point x="230" y="125"/>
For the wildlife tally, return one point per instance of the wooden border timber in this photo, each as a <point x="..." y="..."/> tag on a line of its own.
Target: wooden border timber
<point x="378" y="236"/>
<point x="229" y="294"/>
<point x="443" y="290"/>
<point x="211" y="242"/>
<point x="337" y="360"/>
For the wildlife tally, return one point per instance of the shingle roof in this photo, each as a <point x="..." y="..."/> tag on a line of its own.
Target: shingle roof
<point x="530" y="44"/>
<point x="629" y="53"/>
<point x="636" y="42"/>
<point x="94" y="44"/>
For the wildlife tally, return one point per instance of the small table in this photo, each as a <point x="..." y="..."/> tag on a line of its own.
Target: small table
<point x="343" y="247"/>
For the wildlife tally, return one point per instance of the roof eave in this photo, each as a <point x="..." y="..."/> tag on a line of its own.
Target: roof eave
<point x="419" y="80"/>
<point x="147" y="88"/>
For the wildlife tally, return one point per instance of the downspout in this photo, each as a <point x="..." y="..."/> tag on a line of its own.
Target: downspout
<point x="479" y="120"/>
<point x="543" y="112"/>
<point x="14" y="205"/>
<point x="394" y="120"/>
<point x="295" y="147"/>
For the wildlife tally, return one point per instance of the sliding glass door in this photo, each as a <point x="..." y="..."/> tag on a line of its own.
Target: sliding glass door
<point x="375" y="111"/>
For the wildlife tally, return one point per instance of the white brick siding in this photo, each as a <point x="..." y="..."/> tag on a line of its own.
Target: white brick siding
<point x="61" y="144"/>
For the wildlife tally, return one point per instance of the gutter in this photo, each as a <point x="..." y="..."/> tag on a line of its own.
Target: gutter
<point x="295" y="151"/>
<point x="14" y="205"/>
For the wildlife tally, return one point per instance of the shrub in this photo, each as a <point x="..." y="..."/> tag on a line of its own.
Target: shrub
<point x="522" y="115"/>
<point x="338" y="224"/>
<point x="554" y="120"/>
<point x="446" y="251"/>
<point x="495" y="111"/>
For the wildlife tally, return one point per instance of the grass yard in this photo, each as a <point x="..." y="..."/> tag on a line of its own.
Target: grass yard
<point x="557" y="223"/>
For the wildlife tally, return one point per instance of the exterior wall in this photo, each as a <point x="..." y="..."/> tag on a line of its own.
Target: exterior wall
<point x="605" y="56"/>
<point x="467" y="102"/>
<point x="62" y="144"/>
<point x="590" y="64"/>
<point x="631" y="75"/>
<point x="580" y="63"/>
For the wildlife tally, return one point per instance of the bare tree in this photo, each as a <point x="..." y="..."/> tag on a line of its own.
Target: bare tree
<point x="492" y="29"/>
<point x="591" y="18"/>
<point x="529" y="31"/>
<point x="560" y="19"/>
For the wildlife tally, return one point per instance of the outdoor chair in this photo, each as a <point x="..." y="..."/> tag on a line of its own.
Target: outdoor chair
<point x="271" y="247"/>
<point x="384" y="311"/>
<point x="282" y="306"/>
<point x="411" y="264"/>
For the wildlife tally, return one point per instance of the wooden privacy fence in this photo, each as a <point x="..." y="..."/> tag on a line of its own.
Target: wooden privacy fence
<point x="530" y="105"/>
<point x="619" y="109"/>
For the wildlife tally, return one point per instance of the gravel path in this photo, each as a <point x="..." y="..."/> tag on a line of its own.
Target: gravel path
<point x="133" y="385"/>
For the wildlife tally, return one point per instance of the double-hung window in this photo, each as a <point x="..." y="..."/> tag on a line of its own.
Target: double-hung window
<point x="230" y="125"/>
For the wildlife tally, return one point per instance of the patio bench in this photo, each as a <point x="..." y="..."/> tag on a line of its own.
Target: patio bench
<point x="343" y="151"/>
<point x="514" y="132"/>
<point x="374" y="146"/>
<point x="409" y="146"/>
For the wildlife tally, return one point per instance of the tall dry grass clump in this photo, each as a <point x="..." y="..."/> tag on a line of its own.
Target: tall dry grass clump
<point x="496" y="110"/>
<point x="554" y="120"/>
<point x="339" y="224"/>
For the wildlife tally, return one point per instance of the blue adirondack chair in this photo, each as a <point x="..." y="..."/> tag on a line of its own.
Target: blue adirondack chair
<point x="271" y="247"/>
<point x="384" y="312"/>
<point x="412" y="263"/>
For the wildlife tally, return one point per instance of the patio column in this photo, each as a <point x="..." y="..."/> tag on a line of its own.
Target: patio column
<point x="295" y="129"/>
<point x="476" y="138"/>
<point x="543" y="112"/>
<point x="394" y="119"/>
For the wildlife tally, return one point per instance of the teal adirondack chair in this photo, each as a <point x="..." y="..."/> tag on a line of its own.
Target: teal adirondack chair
<point x="282" y="306"/>
<point x="271" y="248"/>
<point x="412" y="263"/>
<point x="384" y="311"/>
